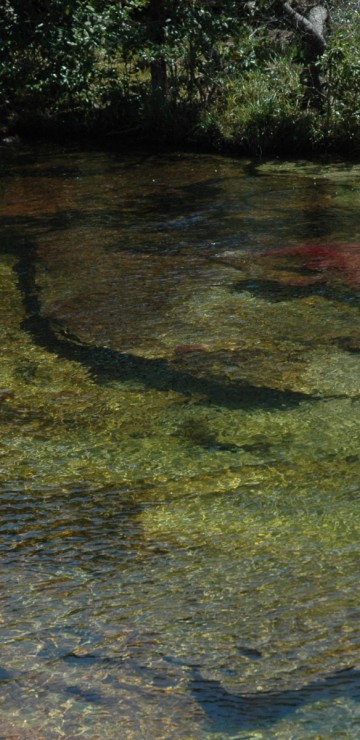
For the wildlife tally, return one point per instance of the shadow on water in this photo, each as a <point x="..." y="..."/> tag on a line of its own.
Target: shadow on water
<point x="106" y="364"/>
<point x="227" y="712"/>
<point x="276" y="292"/>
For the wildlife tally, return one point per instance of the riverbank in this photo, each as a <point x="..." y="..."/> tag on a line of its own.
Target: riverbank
<point x="212" y="137"/>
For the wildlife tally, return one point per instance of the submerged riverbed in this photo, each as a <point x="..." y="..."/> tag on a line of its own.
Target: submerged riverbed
<point x="179" y="459"/>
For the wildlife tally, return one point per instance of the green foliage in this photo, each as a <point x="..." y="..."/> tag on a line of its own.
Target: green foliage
<point x="217" y="72"/>
<point x="263" y="111"/>
<point x="48" y="65"/>
<point x="342" y="69"/>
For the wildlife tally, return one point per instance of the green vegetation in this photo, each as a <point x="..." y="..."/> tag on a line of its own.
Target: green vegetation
<point x="260" y="77"/>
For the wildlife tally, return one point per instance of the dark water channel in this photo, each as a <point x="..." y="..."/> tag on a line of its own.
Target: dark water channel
<point x="179" y="449"/>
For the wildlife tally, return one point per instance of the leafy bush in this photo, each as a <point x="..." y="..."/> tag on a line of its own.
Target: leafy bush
<point x="262" y="108"/>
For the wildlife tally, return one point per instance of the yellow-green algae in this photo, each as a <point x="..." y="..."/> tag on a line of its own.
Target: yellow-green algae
<point x="59" y="424"/>
<point x="338" y="171"/>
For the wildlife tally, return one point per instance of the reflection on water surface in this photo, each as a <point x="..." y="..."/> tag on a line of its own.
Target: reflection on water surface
<point x="179" y="461"/>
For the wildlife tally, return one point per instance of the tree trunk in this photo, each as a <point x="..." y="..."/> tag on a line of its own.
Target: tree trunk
<point x="157" y="15"/>
<point x="314" y="27"/>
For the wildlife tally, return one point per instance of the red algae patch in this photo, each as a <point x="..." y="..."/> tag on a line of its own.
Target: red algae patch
<point x="332" y="262"/>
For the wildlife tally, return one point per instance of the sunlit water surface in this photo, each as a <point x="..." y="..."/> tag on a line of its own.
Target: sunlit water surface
<point x="179" y="450"/>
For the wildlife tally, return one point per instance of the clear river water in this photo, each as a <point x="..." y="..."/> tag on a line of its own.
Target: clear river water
<point x="179" y="447"/>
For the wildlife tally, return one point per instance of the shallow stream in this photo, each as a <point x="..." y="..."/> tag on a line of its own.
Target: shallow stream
<point x="179" y="448"/>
